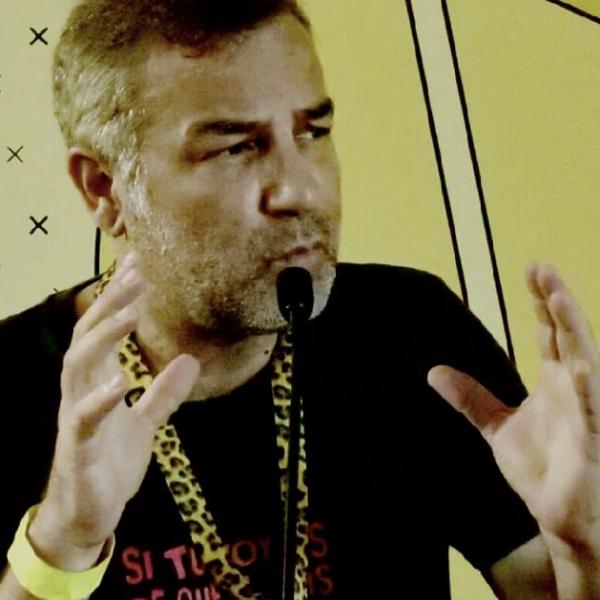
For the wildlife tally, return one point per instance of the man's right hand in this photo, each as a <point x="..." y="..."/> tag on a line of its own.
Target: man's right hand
<point x="103" y="447"/>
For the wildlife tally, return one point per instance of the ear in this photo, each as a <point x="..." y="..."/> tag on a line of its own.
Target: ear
<point x="94" y="181"/>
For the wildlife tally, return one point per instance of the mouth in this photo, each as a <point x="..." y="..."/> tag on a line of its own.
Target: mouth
<point x="301" y="255"/>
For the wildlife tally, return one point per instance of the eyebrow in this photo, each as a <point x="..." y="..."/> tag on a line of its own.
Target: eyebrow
<point x="325" y="109"/>
<point x="232" y="127"/>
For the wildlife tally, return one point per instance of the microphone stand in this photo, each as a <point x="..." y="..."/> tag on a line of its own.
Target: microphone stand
<point x="295" y="298"/>
<point x="291" y="501"/>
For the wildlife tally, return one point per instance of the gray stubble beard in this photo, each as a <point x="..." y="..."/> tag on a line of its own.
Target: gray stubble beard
<point x="210" y="298"/>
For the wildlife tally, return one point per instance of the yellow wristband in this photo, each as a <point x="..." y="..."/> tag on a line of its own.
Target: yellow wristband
<point x="46" y="582"/>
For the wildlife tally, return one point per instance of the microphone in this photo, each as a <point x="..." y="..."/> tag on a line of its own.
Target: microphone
<point x="295" y="298"/>
<point x="295" y="294"/>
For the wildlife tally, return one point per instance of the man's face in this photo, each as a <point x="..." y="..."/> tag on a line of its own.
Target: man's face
<point x="242" y="179"/>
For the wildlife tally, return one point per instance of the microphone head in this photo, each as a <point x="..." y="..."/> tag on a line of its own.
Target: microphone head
<point x="295" y="293"/>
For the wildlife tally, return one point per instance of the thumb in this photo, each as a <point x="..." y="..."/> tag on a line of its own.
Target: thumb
<point x="169" y="390"/>
<point x="470" y="398"/>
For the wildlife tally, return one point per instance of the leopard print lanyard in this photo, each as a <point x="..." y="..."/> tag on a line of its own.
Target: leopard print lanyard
<point x="185" y="488"/>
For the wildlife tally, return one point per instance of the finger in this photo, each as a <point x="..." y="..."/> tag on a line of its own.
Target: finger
<point x="568" y="319"/>
<point x="537" y="293"/>
<point x="586" y="382"/>
<point x="469" y="397"/>
<point x="169" y="390"/>
<point x="547" y="343"/>
<point x="86" y="415"/>
<point x="86" y="354"/>
<point x="575" y="339"/>
<point x="546" y="332"/>
<point x="124" y="288"/>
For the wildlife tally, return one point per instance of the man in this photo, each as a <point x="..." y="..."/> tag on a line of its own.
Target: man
<point x="199" y="137"/>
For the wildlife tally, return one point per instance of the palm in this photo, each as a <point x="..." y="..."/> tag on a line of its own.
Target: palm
<point x="548" y="449"/>
<point x="544" y="451"/>
<point x="103" y="447"/>
<point x="114" y="452"/>
<point x="118" y="455"/>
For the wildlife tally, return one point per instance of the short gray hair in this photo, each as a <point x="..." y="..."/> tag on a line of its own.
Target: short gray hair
<point x="98" y="59"/>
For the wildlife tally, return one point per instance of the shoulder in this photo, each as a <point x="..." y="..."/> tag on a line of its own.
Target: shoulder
<point x="414" y="317"/>
<point x="375" y="298"/>
<point x="391" y="277"/>
<point x="387" y="288"/>
<point x="33" y="341"/>
<point x="32" y="345"/>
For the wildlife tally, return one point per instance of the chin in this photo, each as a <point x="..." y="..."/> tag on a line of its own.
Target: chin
<point x="251" y="308"/>
<point x="258" y="312"/>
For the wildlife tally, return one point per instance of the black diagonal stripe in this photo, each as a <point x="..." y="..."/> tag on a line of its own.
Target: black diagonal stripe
<point x="575" y="10"/>
<point x="97" y="252"/>
<point x="477" y="172"/>
<point x="438" y="155"/>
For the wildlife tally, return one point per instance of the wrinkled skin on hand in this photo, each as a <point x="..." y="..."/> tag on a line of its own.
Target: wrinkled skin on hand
<point x="549" y="447"/>
<point x="103" y="447"/>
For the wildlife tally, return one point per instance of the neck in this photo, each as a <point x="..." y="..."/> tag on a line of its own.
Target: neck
<point x="225" y="362"/>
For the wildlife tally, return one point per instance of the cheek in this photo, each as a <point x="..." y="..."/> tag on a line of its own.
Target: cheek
<point x="211" y="225"/>
<point x="329" y="169"/>
<point x="204" y="199"/>
<point x="225" y="192"/>
<point x="330" y="187"/>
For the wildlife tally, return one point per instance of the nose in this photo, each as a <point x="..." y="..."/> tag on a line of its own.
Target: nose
<point x="290" y="183"/>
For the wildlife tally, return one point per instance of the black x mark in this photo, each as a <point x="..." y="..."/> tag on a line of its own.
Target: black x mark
<point x="39" y="225"/>
<point x="14" y="154"/>
<point x="39" y="35"/>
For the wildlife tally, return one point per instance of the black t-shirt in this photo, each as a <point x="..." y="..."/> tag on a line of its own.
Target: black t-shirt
<point x="395" y="475"/>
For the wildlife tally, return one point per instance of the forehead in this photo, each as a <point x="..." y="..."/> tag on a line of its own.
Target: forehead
<point x="274" y="67"/>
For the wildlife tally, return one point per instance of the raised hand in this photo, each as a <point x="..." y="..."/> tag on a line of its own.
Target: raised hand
<point x="103" y="447"/>
<point x="548" y="448"/>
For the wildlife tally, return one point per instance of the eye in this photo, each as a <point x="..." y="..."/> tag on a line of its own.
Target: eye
<point x="238" y="148"/>
<point x="313" y="132"/>
<point x="242" y="147"/>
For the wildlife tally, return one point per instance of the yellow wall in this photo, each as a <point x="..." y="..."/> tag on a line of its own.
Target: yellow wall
<point x="591" y="7"/>
<point x="531" y="71"/>
<point x="532" y="76"/>
<point x="32" y="265"/>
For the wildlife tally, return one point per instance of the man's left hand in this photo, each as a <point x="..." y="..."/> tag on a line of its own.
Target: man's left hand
<point x="548" y="448"/>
